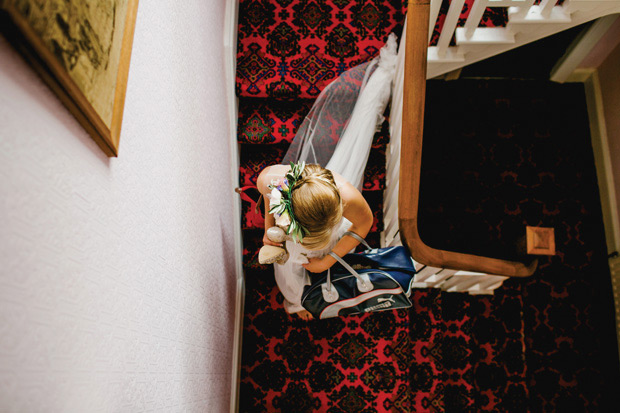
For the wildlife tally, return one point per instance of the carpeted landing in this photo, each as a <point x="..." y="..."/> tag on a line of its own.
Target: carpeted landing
<point x="497" y="155"/>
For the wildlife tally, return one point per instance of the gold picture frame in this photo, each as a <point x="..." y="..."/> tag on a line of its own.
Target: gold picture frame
<point x="82" y="50"/>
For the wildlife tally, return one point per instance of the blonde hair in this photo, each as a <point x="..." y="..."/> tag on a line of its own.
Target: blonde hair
<point x="317" y="205"/>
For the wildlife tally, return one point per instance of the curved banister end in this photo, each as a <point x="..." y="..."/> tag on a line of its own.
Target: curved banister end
<point x="426" y="255"/>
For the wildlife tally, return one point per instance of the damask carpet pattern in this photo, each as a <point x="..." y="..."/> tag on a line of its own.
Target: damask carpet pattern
<point x="358" y="363"/>
<point x="291" y="49"/>
<point x="518" y="155"/>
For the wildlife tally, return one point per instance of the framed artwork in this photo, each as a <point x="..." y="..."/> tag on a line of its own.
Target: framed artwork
<point x="81" y="49"/>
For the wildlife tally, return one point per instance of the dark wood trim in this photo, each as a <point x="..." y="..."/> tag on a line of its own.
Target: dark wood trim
<point x="411" y="159"/>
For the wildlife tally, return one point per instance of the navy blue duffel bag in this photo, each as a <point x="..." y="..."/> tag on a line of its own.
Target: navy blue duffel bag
<point x="372" y="280"/>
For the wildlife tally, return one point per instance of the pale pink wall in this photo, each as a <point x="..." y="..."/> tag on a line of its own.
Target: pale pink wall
<point x="117" y="275"/>
<point x="609" y="77"/>
<point x="605" y="45"/>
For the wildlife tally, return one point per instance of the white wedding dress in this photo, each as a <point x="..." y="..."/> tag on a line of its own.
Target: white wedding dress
<point x="337" y="133"/>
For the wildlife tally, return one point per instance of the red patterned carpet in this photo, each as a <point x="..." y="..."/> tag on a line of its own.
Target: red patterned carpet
<point x="291" y="49"/>
<point x="519" y="154"/>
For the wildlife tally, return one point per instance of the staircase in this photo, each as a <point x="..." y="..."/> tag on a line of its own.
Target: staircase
<point x="450" y="352"/>
<point x="466" y="32"/>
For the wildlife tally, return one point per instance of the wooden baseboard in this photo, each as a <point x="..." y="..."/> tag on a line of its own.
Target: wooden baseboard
<point x="230" y="67"/>
<point x="602" y="160"/>
<point x="614" y="267"/>
<point x="237" y="345"/>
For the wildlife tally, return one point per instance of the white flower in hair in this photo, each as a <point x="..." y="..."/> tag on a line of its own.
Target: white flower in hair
<point x="284" y="220"/>
<point x="280" y="202"/>
<point x="275" y="197"/>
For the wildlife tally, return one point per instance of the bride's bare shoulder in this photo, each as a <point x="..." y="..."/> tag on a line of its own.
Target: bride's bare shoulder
<point x="345" y="188"/>
<point x="279" y="170"/>
<point x="270" y="173"/>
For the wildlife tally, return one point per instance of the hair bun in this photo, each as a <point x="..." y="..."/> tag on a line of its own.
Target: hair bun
<point x="317" y="205"/>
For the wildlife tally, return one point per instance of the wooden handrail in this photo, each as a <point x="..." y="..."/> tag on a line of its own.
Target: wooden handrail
<point x="411" y="159"/>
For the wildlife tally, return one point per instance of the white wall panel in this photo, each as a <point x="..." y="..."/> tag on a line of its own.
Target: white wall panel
<point x="116" y="275"/>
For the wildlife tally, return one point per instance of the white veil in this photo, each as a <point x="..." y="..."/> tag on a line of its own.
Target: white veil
<point x="338" y="131"/>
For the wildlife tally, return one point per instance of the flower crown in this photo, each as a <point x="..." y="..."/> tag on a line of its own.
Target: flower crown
<point x="281" y="202"/>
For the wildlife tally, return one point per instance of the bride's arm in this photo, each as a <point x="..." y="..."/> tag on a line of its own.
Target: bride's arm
<point x="356" y="210"/>
<point x="262" y="184"/>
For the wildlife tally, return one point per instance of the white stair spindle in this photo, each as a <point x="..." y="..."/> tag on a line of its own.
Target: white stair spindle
<point x="434" y="13"/>
<point x="488" y="283"/>
<point x="425" y="273"/>
<point x="522" y="10"/>
<point x="391" y="235"/>
<point x="546" y="6"/>
<point x="450" y="283"/>
<point x="473" y="20"/>
<point x="395" y="241"/>
<point x="449" y="25"/>
<point x="462" y="281"/>
<point x="391" y="194"/>
<point x="439" y="278"/>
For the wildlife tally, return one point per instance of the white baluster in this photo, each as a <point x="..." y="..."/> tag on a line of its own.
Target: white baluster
<point x="473" y="20"/>
<point x="449" y="26"/>
<point x="546" y="6"/>
<point x="522" y="9"/>
<point x="425" y="273"/>
<point x="434" y="13"/>
<point x="394" y="241"/>
<point x="486" y="286"/>
<point x="426" y="277"/>
<point x="437" y="279"/>
<point x="459" y="282"/>
<point x="390" y="195"/>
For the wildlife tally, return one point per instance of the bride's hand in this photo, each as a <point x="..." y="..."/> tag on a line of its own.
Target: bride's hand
<point x="267" y="241"/>
<point x="316" y="265"/>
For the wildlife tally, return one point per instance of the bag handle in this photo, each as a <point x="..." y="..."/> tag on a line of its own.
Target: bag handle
<point x="330" y="294"/>
<point x="363" y="282"/>
<point x="358" y="238"/>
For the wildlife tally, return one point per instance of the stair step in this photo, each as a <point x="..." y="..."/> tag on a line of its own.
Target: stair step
<point x="499" y="373"/>
<point x="559" y="14"/>
<point x="426" y="332"/>
<point x="452" y="55"/>
<point x="485" y="36"/>
<point x="274" y="122"/>
<point x="457" y="352"/>
<point x="254" y="158"/>
<point x="269" y="121"/>
<point x="290" y="49"/>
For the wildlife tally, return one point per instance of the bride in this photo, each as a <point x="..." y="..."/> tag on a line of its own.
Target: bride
<point x="315" y="194"/>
